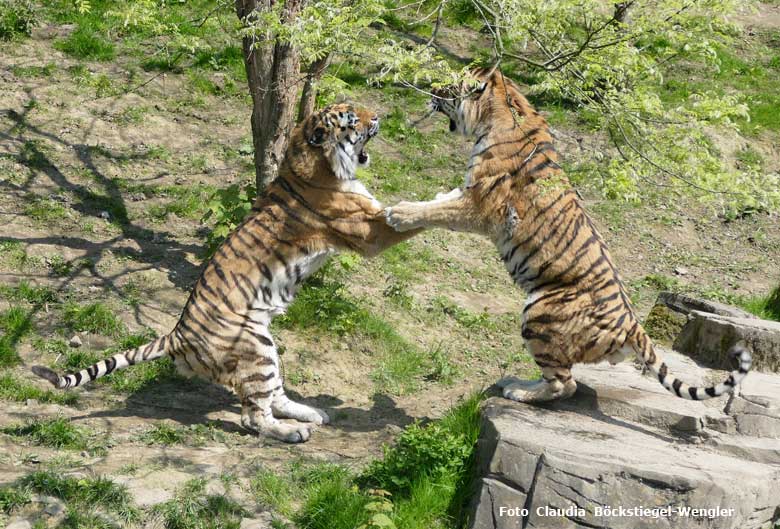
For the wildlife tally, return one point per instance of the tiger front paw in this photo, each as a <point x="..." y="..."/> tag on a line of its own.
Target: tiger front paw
<point x="403" y="216"/>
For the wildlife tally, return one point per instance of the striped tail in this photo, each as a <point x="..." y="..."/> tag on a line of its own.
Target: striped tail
<point x="145" y="353"/>
<point x="676" y="386"/>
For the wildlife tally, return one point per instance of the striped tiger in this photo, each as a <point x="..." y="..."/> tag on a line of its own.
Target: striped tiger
<point x="313" y="209"/>
<point x="577" y="309"/>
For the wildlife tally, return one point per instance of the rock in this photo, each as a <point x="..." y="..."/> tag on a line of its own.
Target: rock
<point x="683" y="304"/>
<point x="623" y="441"/>
<point x="54" y="507"/>
<point x="708" y="337"/>
<point x="75" y="341"/>
<point x="265" y="522"/>
<point x="105" y="215"/>
<point x="681" y="271"/>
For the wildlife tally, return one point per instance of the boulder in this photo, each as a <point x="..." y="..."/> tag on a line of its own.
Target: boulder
<point x="682" y="304"/>
<point x="708" y="337"/>
<point x="624" y="453"/>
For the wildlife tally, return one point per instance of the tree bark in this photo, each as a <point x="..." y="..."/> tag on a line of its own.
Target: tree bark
<point x="309" y="94"/>
<point x="621" y="13"/>
<point x="272" y="71"/>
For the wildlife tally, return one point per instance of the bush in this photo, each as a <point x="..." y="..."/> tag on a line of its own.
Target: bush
<point x="17" y="17"/>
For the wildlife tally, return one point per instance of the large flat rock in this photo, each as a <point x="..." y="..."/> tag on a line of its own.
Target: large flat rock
<point x="708" y="337"/>
<point x="623" y="441"/>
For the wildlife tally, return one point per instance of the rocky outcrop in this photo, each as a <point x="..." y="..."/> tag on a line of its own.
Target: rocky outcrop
<point x="624" y="453"/>
<point x="685" y="305"/>
<point x="708" y="337"/>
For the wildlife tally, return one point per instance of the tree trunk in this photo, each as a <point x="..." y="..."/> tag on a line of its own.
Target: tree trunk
<point x="621" y="13"/>
<point x="309" y="94"/>
<point x="272" y="71"/>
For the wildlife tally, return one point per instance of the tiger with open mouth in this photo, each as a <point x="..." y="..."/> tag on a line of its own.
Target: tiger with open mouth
<point x="577" y="309"/>
<point x="315" y="208"/>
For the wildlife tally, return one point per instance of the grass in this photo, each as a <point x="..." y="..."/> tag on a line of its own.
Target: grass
<point x="55" y="433"/>
<point x="13" y="389"/>
<point x="24" y="291"/>
<point x="86" y="43"/>
<point x="751" y="72"/>
<point x="45" y="211"/>
<point x="766" y="307"/>
<point x="428" y="473"/>
<point x="82" y="495"/>
<point x="93" y="317"/>
<point x="194" y="435"/>
<point x="15" y="323"/>
<point x="192" y="508"/>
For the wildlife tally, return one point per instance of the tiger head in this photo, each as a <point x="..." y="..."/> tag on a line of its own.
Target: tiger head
<point x="336" y="136"/>
<point x="463" y="103"/>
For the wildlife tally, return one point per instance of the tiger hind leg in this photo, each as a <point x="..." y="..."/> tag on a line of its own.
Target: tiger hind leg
<point x="282" y="406"/>
<point x="556" y="383"/>
<point x="258" y="383"/>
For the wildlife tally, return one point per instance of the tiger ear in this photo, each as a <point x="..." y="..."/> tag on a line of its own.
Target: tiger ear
<point x="317" y="137"/>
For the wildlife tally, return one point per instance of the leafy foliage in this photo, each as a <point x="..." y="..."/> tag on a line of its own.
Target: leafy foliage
<point x="17" y="18"/>
<point x="227" y="208"/>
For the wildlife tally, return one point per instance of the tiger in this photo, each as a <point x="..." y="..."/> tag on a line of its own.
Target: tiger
<point x="313" y="209"/>
<point x="577" y="309"/>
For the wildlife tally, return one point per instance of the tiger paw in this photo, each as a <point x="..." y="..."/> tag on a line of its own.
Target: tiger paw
<point x="452" y="195"/>
<point x="403" y="216"/>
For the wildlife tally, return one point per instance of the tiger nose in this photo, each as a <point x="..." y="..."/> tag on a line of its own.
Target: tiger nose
<point x="373" y="127"/>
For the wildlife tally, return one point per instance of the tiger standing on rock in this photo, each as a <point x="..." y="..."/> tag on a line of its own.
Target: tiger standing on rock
<point x="313" y="209"/>
<point x="577" y="309"/>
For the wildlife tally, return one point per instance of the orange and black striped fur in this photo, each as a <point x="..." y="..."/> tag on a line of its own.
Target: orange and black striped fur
<point x="577" y="309"/>
<point x="314" y="208"/>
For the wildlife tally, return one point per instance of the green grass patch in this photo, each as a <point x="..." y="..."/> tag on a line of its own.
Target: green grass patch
<point x="32" y="294"/>
<point x="192" y="508"/>
<point x="93" y="317"/>
<point x="408" y="260"/>
<point x="17" y="19"/>
<point x="273" y="492"/>
<point x="194" y="435"/>
<point x="55" y="433"/>
<point x="766" y="307"/>
<point x="34" y="71"/>
<point x="88" y="44"/>
<point x="45" y="211"/>
<point x="422" y="482"/>
<point x="12" y="497"/>
<point x="13" y="389"/>
<point x="83" y="495"/>
<point x="15" y="323"/>
<point x="324" y="305"/>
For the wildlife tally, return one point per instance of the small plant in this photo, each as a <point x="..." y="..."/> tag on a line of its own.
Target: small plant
<point x="24" y="291"/>
<point x="15" y="323"/>
<point x="379" y="510"/>
<point x="17" y="18"/>
<point x="272" y="491"/>
<point x="85" y="43"/>
<point x="93" y="317"/>
<point x="164" y="434"/>
<point x="14" y="389"/>
<point x="226" y="208"/>
<point x="56" y="433"/>
<point x="13" y="497"/>
<point x="192" y="508"/>
<point x="83" y="495"/>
